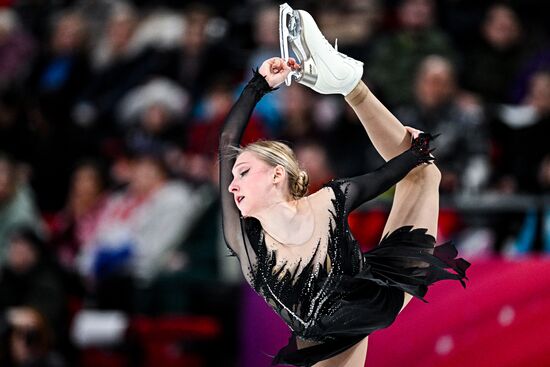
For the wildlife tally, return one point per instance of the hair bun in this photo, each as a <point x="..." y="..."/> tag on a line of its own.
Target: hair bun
<point x="300" y="186"/>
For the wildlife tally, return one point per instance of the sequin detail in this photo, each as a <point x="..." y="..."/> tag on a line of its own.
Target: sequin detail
<point x="304" y="298"/>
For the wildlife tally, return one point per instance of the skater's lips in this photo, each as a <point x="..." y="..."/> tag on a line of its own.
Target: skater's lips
<point x="239" y="199"/>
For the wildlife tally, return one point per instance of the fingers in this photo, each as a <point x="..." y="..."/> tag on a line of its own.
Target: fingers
<point x="276" y="69"/>
<point x="293" y="64"/>
<point x="278" y="64"/>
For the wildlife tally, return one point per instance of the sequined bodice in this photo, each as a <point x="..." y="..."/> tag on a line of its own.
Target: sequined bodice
<point x="303" y="290"/>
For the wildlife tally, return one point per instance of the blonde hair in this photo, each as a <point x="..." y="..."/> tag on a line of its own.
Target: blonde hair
<point x="276" y="153"/>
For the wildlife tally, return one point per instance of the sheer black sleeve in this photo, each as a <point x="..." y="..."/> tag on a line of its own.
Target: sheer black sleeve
<point x="365" y="187"/>
<point x="231" y="134"/>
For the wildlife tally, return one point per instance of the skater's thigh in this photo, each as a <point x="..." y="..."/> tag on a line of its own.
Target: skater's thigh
<point x="408" y="298"/>
<point x="353" y="357"/>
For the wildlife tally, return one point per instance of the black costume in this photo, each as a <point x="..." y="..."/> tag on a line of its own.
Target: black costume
<point x="339" y="295"/>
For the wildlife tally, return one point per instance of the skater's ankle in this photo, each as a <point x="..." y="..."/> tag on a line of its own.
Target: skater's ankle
<point x="358" y="94"/>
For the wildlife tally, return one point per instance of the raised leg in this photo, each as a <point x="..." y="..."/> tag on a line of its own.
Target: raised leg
<point x="387" y="134"/>
<point x="416" y="200"/>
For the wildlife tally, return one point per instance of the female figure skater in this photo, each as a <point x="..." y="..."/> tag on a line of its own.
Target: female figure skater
<point x="297" y="251"/>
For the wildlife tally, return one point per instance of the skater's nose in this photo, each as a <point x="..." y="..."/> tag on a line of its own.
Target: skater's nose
<point x="233" y="187"/>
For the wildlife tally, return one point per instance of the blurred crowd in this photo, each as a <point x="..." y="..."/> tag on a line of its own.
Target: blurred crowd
<point x="109" y="119"/>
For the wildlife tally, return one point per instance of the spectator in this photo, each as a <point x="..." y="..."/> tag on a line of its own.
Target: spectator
<point x="121" y="61"/>
<point x="353" y="23"/>
<point x="16" y="49"/>
<point x="153" y="116"/>
<point x="61" y="71"/>
<point x="492" y="65"/>
<point x="17" y="207"/>
<point x="58" y="76"/>
<point x="137" y="231"/>
<point x="191" y="271"/>
<point x="265" y="20"/>
<point x="27" y="340"/>
<point x="197" y="62"/>
<point x="538" y="61"/>
<point x="72" y="227"/>
<point x="116" y="43"/>
<point x="462" y="148"/>
<point x="17" y="137"/>
<point x="520" y="134"/>
<point x="396" y="57"/>
<point x="29" y="277"/>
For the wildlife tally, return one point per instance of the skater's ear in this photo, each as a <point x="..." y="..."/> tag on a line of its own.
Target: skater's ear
<point x="279" y="174"/>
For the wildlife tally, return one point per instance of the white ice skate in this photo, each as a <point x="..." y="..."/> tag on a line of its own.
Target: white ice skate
<point x="324" y="69"/>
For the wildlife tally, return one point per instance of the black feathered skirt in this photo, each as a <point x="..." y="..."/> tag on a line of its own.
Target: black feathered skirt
<point x="404" y="261"/>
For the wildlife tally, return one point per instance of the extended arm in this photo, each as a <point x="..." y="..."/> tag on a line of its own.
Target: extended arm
<point x="231" y="134"/>
<point x="271" y="74"/>
<point x="362" y="188"/>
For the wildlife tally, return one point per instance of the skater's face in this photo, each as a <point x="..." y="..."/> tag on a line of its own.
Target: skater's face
<point x="255" y="183"/>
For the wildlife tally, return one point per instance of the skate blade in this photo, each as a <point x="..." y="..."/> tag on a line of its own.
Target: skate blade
<point x="288" y="34"/>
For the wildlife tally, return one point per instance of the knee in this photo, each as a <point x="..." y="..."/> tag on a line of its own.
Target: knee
<point x="432" y="174"/>
<point x="426" y="175"/>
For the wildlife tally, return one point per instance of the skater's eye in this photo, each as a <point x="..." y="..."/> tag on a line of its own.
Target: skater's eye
<point x="243" y="173"/>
